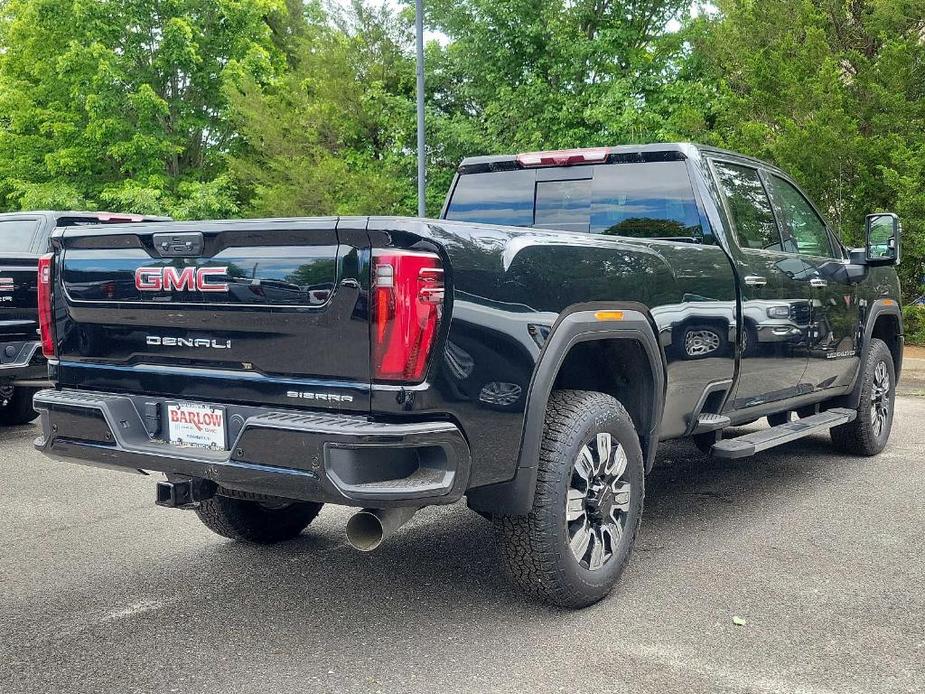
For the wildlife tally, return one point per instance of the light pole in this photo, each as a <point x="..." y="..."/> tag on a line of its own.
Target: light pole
<point x="419" y="30"/>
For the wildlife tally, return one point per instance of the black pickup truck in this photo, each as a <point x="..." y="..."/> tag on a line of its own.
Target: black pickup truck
<point x="23" y="238"/>
<point x="528" y="351"/>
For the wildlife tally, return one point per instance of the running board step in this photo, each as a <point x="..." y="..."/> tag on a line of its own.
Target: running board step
<point x="711" y="422"/>
<point x="744" y="446"/>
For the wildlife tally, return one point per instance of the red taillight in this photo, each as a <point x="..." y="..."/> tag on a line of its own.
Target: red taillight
<point x="564" y="157"/>
<point x="46" y="321"/>
<point x="407" y="305"/>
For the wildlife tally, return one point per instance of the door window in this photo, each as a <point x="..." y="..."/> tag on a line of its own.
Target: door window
<point x="804" y="230"/>
<point x="749" y="206"/>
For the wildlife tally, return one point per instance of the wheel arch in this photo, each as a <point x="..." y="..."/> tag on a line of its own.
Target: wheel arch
<point x="888" y="327"/>
<point x="884" y="322"/>
<point x="586" y="351"/>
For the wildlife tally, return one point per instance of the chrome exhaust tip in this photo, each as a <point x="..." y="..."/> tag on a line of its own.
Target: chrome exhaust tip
<point x="367" y="529"/>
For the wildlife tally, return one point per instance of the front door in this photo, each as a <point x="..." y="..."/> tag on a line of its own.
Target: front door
<point x="776" y="303"/>
<point x="833" y="344"/>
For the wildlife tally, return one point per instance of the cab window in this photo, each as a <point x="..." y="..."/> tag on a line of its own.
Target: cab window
<point x="648" y="200"/>
<point x="804" y="231"/>
<point x="749" y="206"/>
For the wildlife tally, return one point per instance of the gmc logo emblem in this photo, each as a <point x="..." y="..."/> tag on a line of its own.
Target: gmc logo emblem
<point x="189" y="279"/>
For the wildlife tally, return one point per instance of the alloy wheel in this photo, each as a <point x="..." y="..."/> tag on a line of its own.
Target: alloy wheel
<point x="598" y="501"/>
<point x="880" y="399"/>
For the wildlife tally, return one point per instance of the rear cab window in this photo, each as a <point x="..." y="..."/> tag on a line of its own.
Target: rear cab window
<point x="650" y="200"/>
<point x="749" y="206"/>
<point x="18" y="235"/>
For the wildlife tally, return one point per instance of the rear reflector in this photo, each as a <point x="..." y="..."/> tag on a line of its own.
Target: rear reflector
<point x="564" y="157"/>
<point x="46" y="322"/>
<point x="407" y="306"/>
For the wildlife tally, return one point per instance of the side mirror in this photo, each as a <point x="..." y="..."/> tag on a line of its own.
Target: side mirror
<point x="883" y="234"/>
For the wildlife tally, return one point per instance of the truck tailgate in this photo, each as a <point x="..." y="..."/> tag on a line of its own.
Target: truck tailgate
<point x="18" y="317"/>
<point x="263" y="311"/>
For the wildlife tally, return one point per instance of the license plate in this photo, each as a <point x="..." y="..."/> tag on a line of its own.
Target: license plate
<point x="191" y="424"/>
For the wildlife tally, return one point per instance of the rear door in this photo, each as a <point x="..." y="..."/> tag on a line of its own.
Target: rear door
<point x="776" y="301"/>
<point x="259" y="311"/>
<point x="18" y="263"/>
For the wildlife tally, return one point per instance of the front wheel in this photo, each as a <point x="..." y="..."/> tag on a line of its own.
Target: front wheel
<point x="868" y="433"/>
<point x="259" y="521"/>
<point x="572" y="547"/>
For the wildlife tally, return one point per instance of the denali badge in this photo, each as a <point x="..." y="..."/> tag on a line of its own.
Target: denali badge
<point x="197" y="343"/>
<point x="169" y="278"/>
<point x="326" y="397"/>
<point x="841" y="355"/>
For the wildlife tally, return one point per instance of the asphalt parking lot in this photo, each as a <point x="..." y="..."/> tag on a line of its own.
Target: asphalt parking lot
<point x="822" y="556"/>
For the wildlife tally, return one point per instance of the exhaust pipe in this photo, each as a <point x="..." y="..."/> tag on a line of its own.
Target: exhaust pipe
<point x="367" y="529"/>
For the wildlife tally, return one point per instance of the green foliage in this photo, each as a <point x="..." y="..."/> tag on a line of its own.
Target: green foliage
<point x="119" y="103"/>
<point x="914" y="324"/>
<point x="542" y="74"/>
<point x="834" y="93"/>
<point x="333" y="135"/>
<point x="213" y="108"/>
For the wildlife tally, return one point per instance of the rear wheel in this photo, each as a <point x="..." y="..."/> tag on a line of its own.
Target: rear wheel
<point x="572" y="547"/>
<point x="16" y="405"/>
<point x="262" y="521"/>
<point x="870" y="430"/>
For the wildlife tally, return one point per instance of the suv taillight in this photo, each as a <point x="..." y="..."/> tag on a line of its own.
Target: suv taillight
<point x="407" y="304"/>
<point x="46" y="321"/>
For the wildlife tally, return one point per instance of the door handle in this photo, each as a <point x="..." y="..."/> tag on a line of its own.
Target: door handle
<point x="818" y="282"/>
<point x="755" y="281"/>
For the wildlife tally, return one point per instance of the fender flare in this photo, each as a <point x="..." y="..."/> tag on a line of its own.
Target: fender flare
<point x="574" y="326"/>
<point x="880" y="307"/>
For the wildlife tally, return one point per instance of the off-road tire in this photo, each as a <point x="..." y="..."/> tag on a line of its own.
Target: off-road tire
<point x="535" y="548"/>
<point x="18" y="408"/>
<point x="256" y="521"/>
<point x="859" y="437"/>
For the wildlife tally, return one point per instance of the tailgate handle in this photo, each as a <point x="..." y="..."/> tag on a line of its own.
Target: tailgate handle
<point x="179" y="245"/>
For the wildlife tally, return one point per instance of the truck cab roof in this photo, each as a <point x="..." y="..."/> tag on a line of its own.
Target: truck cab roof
<point x="660" y="151"/>
<point x="99" y="215"/>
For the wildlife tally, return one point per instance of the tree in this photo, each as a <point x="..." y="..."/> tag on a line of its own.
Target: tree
<point x="537" y="74"/>
<point x="118" y="103"/>
<point x="333" y="135"/>
<point x="833" y="92"/>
